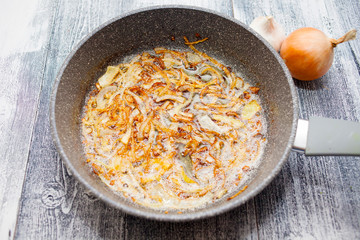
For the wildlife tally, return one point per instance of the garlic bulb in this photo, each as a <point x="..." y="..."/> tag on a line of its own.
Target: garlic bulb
<point x="269" y="29"/>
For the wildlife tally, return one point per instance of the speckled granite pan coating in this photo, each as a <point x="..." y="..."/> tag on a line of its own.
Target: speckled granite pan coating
<point x="229" y="40"/>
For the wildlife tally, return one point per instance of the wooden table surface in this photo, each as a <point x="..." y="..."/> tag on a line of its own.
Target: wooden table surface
<point x="311" y="198"/>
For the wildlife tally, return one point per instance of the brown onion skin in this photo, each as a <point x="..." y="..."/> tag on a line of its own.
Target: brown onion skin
<point x="308" y="53"/>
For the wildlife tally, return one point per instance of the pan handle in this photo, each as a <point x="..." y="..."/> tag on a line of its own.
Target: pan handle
<point x="325" y="136"/>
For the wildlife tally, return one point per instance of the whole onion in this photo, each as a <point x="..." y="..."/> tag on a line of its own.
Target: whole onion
<point x="309" y="53"/>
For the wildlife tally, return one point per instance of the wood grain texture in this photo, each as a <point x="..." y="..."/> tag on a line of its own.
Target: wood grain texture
<point x="222" y="6"/>
<point x="311" y="198"/>
<point x="51" y="197"/>
<point x="23" y="52"/>
<point x="318" y="195"/>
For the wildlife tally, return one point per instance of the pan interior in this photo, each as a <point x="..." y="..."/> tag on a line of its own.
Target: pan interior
<point x="229" y="41"/>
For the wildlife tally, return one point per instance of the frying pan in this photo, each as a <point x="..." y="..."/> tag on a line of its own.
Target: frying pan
<point x="230" y="41"/>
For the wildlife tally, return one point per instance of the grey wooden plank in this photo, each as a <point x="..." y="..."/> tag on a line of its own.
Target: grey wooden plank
<point x="222" y="6"/>
<point x="53" y="204"/>
<point x="236" y="224"/>
<point x="315" y="197"/>
<point x="22" y="56"/>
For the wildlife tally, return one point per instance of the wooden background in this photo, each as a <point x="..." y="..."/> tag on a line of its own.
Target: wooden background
<point x="311" y="198"/>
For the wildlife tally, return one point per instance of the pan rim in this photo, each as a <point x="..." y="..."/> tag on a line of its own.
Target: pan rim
<point x="186" y="216"/>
